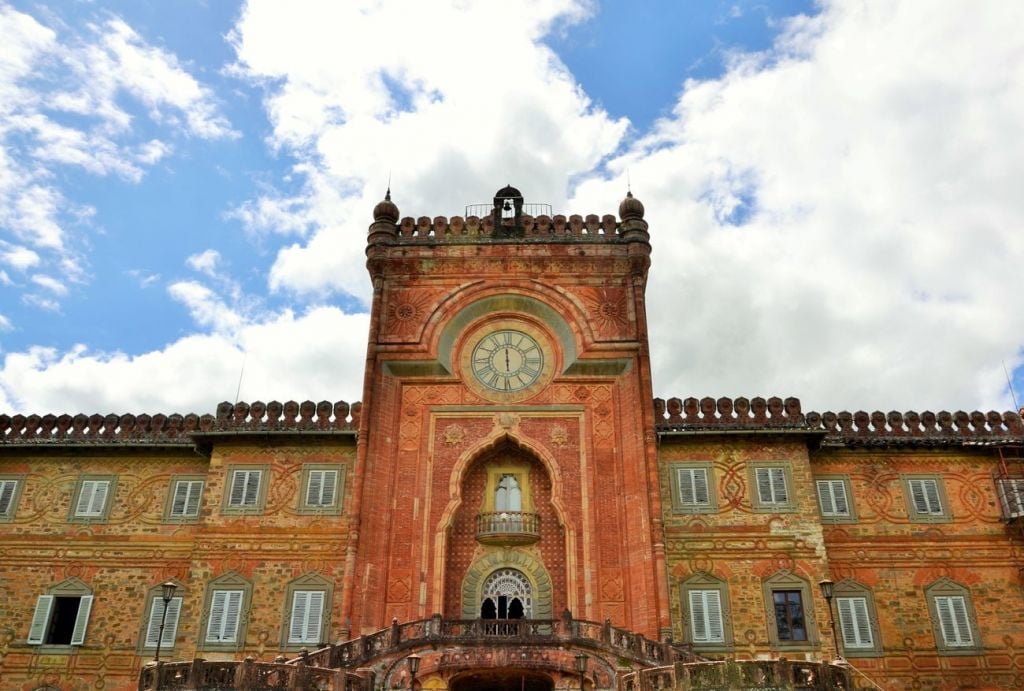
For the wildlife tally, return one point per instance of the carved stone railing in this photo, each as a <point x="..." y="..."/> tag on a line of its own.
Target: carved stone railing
<point x="507" y="527"/>
<point x="247" y="675"/>
<point x="760" y="675"/>
<point x="843" y="428"/>
<point x="181" y="429"/>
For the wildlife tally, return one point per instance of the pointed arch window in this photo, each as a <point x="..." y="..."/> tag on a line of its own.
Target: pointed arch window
<point x="707" y="621"/>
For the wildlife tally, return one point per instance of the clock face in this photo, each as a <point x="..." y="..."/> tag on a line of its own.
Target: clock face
<point x="507" y="360"/>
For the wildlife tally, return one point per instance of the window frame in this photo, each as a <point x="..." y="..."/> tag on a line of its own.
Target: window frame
<point x="310" y="582"/>
<point x="759" y="506"/>
<point x="153" y="595"/>
<point x="257" y="508"/>
<point x="12" y="508"/>
<point x="699" y="582"/>
<point x="915" y="516"/>
<point x="108" y="501"/>
<point x="848" y="588"/>
<point x="851" y="515"/>
<point x="678" y="505"/>
<point x="169" y="517"/>
<point x="946" y="587"/>
<point x="72" y="587"/>
<point x="333" y="508"/>
<point x="787" y="581"/>
<point x="230" y="581"/>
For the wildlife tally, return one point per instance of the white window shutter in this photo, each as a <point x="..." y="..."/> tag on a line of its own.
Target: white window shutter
<point x="839" y="498"/>
<point x="252" y="487"/>
<point x="179" y="504"/>
<point x="300" y="605"/>
<point x="238" y="480"/>
<point x="781" y="495"/>
<point x="314" y="616"/>
<point x="195" y="493"/>
<point x="82" y="620"/>
<point x="931" y="492"/>
<point x="764" y="485"/>
<point x="313" y="491"/>
<point x="706" y="616"/>
<point x="40" y="619"/>
<point x="232" y="610"/>
<point x="854" y="622"/>
<point x="698" y="620"/>
<point x="330" y="481"/>
<point x="170" y="625"/>
<point x="6" y="495"/>
<point x="956" y="629"/>
<point x="825" y="500"/>
<point x="85" y="493"/>
<point x="99" y="498"/>
<point x="687" y="495"/>
<point x="925" y="495"/>
<point x="215" y="626"/>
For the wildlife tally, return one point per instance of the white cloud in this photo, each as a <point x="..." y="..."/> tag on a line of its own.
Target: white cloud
<point x="18" y="256"/>
<point x="454" y="123"/>
<point x="5" y="324"/>
<point x="50" y="283"/>
<point x="69" y="100"/>
<point x="879" y="150"/>
<point x="283" y="359"/>
<point x="206" y="262"/>
<point x="205" y="307"/>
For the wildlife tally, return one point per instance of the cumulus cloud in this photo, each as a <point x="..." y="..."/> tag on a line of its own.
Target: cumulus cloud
<point x="482" y="103"/>
<point x="71" y="100"/>
<point x="283" y="358"/>
<point x="838" y="218"/>
<point x="205" y="262"/>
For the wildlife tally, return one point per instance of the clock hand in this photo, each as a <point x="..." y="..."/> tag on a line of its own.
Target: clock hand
<point x="507" y="367"/>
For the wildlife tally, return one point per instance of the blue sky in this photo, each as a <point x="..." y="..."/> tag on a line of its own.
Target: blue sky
<point x="185" y="187"/>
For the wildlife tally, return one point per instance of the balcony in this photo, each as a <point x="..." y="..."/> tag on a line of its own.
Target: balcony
<point x="507" y="528"/>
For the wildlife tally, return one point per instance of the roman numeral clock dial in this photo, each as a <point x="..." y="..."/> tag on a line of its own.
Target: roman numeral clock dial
<point x="507" y="361"/>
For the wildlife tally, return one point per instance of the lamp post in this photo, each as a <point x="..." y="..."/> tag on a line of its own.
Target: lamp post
<point x="167" y="594"/>
<point x="581" y="667"/>
<point x="414" y="667"/>
<point x="826" y="592"/>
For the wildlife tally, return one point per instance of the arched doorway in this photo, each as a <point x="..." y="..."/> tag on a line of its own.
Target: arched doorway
<point x="502" y="680"/>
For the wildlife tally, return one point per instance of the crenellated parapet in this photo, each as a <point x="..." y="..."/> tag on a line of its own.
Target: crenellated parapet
<point x="180" y="429"/>
<point x="457" y="229"/>
<point x="843" y="429"/>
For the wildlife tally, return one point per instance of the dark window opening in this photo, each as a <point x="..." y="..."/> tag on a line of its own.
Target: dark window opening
<point x="789" y="615"/>
<point x="487" y="610"/>
<point x="62" y="621"/>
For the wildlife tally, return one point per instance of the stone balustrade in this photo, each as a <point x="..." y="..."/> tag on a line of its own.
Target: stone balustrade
<point x="482" y="229"/>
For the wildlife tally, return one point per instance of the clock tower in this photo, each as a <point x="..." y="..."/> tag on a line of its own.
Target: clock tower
<point x="506" y="461"/>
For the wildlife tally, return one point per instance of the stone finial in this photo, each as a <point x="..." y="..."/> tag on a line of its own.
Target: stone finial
<point x="386" y="210"/>
<point x="631" y="208"/>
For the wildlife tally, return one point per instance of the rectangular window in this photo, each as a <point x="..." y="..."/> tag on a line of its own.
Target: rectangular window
<point x="832" y="498"/>
<point x="156" y="615"/>
<point x="693" y="487"/>
<point x="1011" y="497"/>
<point x="789" y="615"/>
<point x="92" y="499"/>
<point x="245" y="488"/>
<point x="321" y="487"/>
<point x="225" y="608"/>
<point x="924" y="492"/>
<point x="854" y="622"/>
<point x="307" y="616"/>
<point x="60" y="620"/>
<point x="186" y="498"/>
<point x="956" y="629"/>
<point x="771" y="486"/>
<point x="706" y="616"/>
<point x="8" y="492"/>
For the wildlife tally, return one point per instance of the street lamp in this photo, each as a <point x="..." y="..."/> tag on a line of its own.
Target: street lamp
<point x="581" y="667"/>
<point x="826" y="592"/>
<point x="167" y="594"/>
<point x="414" y="666"/>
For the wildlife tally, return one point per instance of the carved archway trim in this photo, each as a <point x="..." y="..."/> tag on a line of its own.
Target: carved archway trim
<point x="498" y="436"/>
<point x="520" y="560"/>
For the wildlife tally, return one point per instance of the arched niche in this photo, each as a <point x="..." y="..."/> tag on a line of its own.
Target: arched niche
<point x="522" y="561"/>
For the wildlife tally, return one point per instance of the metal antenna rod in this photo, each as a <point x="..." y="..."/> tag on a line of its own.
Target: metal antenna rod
<point x="245" y="354"/>
<point x="1009" y="385"/>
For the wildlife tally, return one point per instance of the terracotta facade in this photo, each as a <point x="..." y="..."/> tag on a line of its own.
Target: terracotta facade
<point x="509" y="355"/>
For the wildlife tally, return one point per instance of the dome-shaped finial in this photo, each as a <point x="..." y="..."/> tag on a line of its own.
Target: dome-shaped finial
<point x="386" y="210"/>
<point x="631" y="208"/>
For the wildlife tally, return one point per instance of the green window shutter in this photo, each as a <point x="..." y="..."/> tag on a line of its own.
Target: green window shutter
<point x="7" y="488"/>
